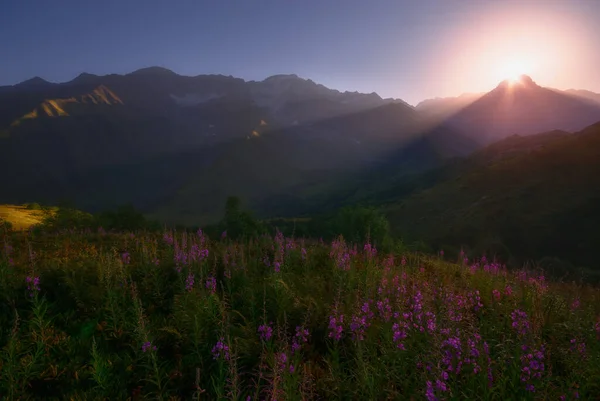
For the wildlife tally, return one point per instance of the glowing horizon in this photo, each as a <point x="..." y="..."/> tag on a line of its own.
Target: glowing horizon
<point x="503" y="44"/>
<point x="411" y="51"/>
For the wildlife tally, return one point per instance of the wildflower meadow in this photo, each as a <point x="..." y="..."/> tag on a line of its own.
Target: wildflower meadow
<point x="106" y="315"/>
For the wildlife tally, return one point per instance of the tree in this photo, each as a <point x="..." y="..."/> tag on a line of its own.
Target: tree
<point x="237" y="222"/>
<point x="361" y="224"/>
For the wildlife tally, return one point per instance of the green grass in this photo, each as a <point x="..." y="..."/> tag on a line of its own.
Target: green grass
<point x="106" y="300"/>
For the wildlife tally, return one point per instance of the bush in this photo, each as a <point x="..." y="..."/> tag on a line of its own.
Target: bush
<point x="125" y="218"/>
<point x="239" y="223"/>
<point x="33" y="206"/>
<point x="5" y="225"/>
<point x="361" y="224"/>
<point x="67" y="218"/>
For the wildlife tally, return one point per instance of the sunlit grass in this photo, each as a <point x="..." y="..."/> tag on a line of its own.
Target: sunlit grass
<point x="20" y="217"/>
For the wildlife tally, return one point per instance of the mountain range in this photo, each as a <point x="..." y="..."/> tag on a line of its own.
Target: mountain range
<point x="522" y="197"/>
<point x="177" y="146"/>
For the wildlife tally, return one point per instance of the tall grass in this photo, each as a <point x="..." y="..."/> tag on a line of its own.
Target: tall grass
<point x="115" y="316"/>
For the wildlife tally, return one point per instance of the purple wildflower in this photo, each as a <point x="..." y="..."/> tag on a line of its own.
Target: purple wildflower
<point x="385" y="309"/>
<point x="265" y="331"/>
<point x="189" y="282"/>
<point x="282" y="360"/>
<point x="361" y="321"/>
<point x="211" y="284"/>
<point x="431" y="321"/>
<point x="336" y="327"/>
<point x="125" y="258"/>
<point x="33" y="285"/>
<point x="520" y="321"/>
<point x="429" y="392"/>
<point x="532" y="366"/>
<point x="578" y="347"/>
<point x="300" y="338"/>
<point x="340" y="254"/>
<point x="370" y="250"/>
<point x="147" y="346"/>
<point x="399" y="335"/>
<point x="221" y="350"/>
<point x="168" y="238"/>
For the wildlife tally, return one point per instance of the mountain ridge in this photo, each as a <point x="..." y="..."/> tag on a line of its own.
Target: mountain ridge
<point x="276" y="143"/>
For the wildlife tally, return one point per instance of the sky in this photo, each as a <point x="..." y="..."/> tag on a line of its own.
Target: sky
<point x="412" y="50"/>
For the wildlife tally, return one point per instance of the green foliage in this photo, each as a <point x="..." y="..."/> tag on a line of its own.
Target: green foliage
<point x="358" y="224"/>
<point x="66" y="218"/>
<point x="127" y="316"/>
<point x="524" y="198"/>
<point x="239" y="223"/>
<point x="5" y="225"/>
<point x="124" y="218"/>
<point x="361" y="224"/>
<point x="33" y="206"/>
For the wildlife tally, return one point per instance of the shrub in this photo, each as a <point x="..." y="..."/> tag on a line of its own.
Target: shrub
<point x="239" y="223"/>
<point x="5" y="225"/>
<point x="126" y="217"/>
<point x="33" y="206"/>
<point x="361" y="224"/>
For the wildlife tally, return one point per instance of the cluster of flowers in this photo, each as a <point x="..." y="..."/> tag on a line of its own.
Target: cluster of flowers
<point x="301" y="337"/>
<point x="265" y="331"/>
<point x="341" y="254"/>
<point x="532" y="366"/>
<point x="220" y="350"/>
<point x="147" y="346"/>
<point x="33" y="285"/>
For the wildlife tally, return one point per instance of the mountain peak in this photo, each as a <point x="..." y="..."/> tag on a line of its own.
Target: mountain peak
<point x="83" y="78"/>
<point x="153" y="71"/>
<point x="281" y="77"/>
<point x="524" y="81"/>
<point x="35" y="81"/>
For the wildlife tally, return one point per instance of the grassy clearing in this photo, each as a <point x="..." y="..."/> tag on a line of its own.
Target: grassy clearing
<point x="20" y="217"/>
<point x="96" y="315"/>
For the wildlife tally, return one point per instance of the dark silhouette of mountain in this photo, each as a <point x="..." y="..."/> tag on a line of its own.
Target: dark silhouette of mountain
<point x="84" y="79"/>
<point x="523" y="108"/>
<point x="178" y="146"/>
<point x="442" y="108"/>
<point x="584" y="94"/>
<point x="532" y="196"/>
<point x="35" y="82"/>
<point x="101" y="140"/>
<point x="279" y="173"/>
